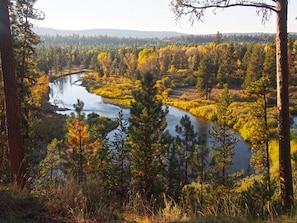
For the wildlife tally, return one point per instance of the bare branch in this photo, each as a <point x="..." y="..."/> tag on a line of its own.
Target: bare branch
<point x="195" y="8"/>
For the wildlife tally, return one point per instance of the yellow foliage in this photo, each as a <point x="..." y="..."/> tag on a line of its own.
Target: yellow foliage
<point x="147" y="60"/>
<point x="40" y="89"/>
<point x="246" y="182"/>
<point x="273" y="152"/>
<point x="205" y="112"/>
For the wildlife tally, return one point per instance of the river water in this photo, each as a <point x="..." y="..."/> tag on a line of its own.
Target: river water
<point x="65" y="91"/>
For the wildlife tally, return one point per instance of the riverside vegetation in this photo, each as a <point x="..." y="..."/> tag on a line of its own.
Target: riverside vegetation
<point x="237" y="195"/>
<point x="75" y="173"/>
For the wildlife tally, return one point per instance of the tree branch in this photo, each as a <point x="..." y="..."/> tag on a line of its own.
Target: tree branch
<point x="195" y="10"/>
<point x="227" y="5"/>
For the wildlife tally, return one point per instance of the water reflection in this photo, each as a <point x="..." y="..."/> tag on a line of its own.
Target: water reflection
<point x="65" y="91"/>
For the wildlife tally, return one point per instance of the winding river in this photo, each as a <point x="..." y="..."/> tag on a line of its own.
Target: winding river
<point x="65" y="91"/>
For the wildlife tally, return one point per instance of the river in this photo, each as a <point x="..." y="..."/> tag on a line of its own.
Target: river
<point x="65" y="91"/>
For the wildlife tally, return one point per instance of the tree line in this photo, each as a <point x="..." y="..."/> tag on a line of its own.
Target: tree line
<point x="207" y="66"/>
<point x="108" y="41"/>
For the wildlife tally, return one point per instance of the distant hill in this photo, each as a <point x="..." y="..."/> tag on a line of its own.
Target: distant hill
<point x="108" y="32"/>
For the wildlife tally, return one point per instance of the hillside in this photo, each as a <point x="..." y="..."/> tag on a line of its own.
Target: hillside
<point x="108" y="32"/>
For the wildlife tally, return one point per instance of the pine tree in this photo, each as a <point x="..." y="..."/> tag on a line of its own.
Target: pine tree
<point x="187" y="141"/>
<point x="200" y="162"/>
<point x="228" y="66"/>
<point x="16" y="154"/>
<point x="223" y="139"/>
<point x="50" y="167"/>
<point x="121" y="155"/>
<point x="25" y="41"/>
<point x="174" y="172"/>
<point x="146" y="138"/>
<point x="255" y="65"/>
<point x="206" y="77"/>
<point x="269" y="65"/>
<point x="260" y="138"/>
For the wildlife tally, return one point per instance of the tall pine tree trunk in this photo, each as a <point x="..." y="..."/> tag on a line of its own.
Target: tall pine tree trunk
<point x="285" y="168"/>
<point x="15" y="144"/>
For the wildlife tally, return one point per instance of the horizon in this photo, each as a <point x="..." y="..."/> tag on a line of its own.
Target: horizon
<point x="152" y="16"/>
<point x="157" y="31"/>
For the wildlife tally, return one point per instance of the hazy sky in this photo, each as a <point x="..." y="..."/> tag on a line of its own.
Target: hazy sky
<point x="151" y="15"/>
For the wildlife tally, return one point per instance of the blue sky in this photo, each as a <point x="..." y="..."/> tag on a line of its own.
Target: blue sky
<point x="151" y="15"/>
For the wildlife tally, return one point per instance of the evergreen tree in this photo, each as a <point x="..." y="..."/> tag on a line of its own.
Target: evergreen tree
<point x="16" y="154"/>
<point x="50" y="167"/>
<point x="228" y="66"/>
<point x="255" y="65"/>
<point x="200" y="161"/>
<point x="146" y="138"/>
<point x="259" y="125"/>
<point x="174" y="172"/>
<point x="259" y="139"/>
<point x="223" y="139"/>
<point x="206" y="77"/>
<point x="25" y="41"/>
<point x="187" y="141"/>
<point x="269" y="65"/>
<point x="121" y="154"/>
<point x="219" y="38"/>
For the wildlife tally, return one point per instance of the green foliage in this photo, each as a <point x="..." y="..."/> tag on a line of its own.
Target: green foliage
<point x="15" y="205"/>
<point x="223" y="140"/>
<point x="255" y="65"/>
<point x="206" y="77"/>
<point x="173" y="171"/>
<point x="195" y="197"/>
<point x="256" y="200"/>
<point x="228" y="67"/>
<point x="146" y="137"/>
<point x="186" y="141"/>
<point x="100" y="126"/>
<point x="121" y="169"/>
<point x="50" y="167"/>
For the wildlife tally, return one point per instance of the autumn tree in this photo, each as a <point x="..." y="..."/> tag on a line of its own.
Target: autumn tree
<point x="105" y="61"/>
<point x="130" y="61"/>
<point x="196" y="9"/>
<point x="79" y="148"/>
<point x="193" y="58"/>
<point x="148" y="61"/>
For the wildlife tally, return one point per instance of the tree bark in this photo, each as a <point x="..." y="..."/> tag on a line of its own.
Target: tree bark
<point x="15" y="144"/>
<point x="285" y="168"/>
